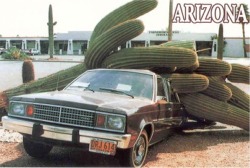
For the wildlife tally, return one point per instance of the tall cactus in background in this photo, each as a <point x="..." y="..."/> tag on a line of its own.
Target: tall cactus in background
<point x="220" y="43"/>
<point x="51" y="32"/>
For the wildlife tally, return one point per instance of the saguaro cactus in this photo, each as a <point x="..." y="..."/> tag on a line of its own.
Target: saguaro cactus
<point x="130" y="10"/>
<point x="215" y="110"/>
<point x="220" y="42"/>
<point x="148" y="57"/>
<point x="51" y="32"/>
<point x="111" y="39"/>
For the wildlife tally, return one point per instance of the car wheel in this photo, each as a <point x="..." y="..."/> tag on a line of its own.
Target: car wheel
<point x="36" y="149"/>
<point x="135" y="156"/>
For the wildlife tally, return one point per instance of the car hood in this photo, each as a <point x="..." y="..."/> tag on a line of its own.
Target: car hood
<point x="99" y="101"/>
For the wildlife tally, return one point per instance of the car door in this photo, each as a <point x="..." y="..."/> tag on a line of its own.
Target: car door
<point x="171" y="111"/>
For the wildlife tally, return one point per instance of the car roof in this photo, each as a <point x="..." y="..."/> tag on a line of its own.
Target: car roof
<point x="143" y="71"/>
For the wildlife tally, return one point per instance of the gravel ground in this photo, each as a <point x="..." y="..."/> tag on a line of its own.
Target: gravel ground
<point x="217" y="146"/>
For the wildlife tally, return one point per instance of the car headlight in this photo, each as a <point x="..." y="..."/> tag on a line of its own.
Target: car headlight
<point x="116" y="123"/>
<point x="18" y="108"/>
<point x="110" y="122"/>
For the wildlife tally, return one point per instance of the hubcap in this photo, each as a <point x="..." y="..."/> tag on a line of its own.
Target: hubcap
<point x="139" y="151"/>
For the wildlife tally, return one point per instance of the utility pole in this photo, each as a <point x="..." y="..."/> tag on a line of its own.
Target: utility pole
<point x="170" y="22"/>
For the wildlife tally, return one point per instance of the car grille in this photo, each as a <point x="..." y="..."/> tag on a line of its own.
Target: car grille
<point x="64" y="115"/>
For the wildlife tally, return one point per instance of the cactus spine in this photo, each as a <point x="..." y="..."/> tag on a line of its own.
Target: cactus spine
<point x="28" y="73"/>
<point x="51" y="25"/>
<point x="220" y="43"/>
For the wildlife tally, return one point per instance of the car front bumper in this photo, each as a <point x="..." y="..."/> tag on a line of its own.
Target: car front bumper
<point x="62" y="133"/>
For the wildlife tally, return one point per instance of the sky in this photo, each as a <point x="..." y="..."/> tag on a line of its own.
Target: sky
<point x="29" y="17"/>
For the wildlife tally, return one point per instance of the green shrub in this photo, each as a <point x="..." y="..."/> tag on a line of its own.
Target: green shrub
<point x="14" y="53"/>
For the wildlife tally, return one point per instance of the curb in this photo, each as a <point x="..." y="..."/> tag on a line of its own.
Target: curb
<point x="64" y="61"/>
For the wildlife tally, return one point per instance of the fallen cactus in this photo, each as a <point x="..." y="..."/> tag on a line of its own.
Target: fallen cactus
<point x="206" y="107"/>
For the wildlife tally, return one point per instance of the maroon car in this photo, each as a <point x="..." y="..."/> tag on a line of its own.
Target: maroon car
<point x="111" y="111"/>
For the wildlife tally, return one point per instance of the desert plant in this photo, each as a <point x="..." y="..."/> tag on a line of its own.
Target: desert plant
<point x="28" y="73"/>
<point x="130" y="10"/>
<point x="14" y="53"/>
<point x="51" y="25"/>
<point x="239" y="98"/>
<point x="111" y="39"/>
<point x="208" y="108"/>
<point x="213" y="67"/>
<point x="239" y="74"/>
<point x="184" y="44"/>
<point x="188" y="83"/>
<point x="220" y="42"/>
<point x="218" y="90"/>
<point x="148" y="57"/>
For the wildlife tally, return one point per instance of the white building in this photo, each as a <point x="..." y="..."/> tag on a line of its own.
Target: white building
<point x="76" y="42"/>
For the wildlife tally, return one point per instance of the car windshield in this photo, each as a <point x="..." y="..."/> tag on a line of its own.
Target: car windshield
<point x="132" y="84"/>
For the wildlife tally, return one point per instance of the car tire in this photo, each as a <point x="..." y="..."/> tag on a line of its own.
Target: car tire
<point x="135" y="157"/>
<point x="36" y="149"/>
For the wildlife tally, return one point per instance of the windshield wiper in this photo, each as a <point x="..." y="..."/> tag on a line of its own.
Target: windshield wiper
<point x="84" y="88"/>
<point x="116" y="91"/>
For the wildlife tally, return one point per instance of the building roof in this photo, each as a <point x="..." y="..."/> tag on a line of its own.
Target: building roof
<point x="145" y="36"/>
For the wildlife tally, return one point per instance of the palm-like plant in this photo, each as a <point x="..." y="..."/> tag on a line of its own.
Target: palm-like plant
<point x="245" y="6"/>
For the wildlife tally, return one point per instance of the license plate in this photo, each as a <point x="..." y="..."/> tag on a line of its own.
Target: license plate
<point x="102" y="146"/>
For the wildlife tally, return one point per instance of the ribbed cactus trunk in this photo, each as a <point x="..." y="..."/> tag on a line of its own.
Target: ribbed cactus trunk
<point x="28" y="73"/>
<point x="220" y="43"/>
<point x="51" y="32"/>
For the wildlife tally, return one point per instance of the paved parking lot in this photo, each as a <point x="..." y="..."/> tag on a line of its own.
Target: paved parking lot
<point x="11" y="71"/>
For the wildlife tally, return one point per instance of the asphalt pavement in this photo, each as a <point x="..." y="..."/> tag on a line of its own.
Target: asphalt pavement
<point x="11" y="71"/>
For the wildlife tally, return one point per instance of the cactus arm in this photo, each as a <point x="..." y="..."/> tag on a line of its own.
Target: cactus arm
<point x="208" y="108"/>
<point x="129" y="11"/>
<point x="111" y="39"/>
<point x="239" y="74"/>
<point x="148" y="57"/>
<point x="213" y="67"/>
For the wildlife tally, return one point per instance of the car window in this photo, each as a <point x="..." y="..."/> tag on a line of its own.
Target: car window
<point x="133" y="83"/>
<point x="160" y="89"/>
